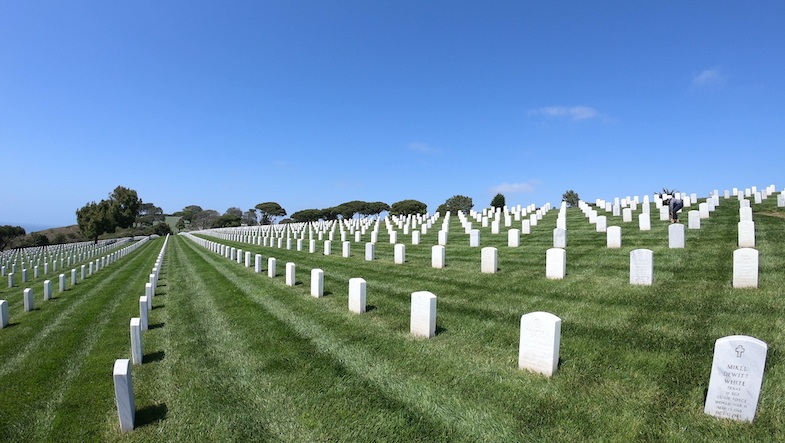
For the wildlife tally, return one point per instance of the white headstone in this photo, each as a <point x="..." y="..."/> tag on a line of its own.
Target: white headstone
<point x="641" y="267"/>
<point x="423" y="314"/>
<point x="317" y="283"/>
<point x="357" y="288"/>
<point x="703" y="210"/>
<point x="328" y="245"/>
<point x="47" y="290"/>
<point x="559" y="238"/>
<point x="676" y="236"/>
<point x="745" y="268"/>
<point x="62" y="282"/>
<point x="513" y="238"/>
<point x="746" y="230"/>
<point x="136" y="341"/>
<point x="438" y="256"/>
<point x="644" y="221"/>
<point x="124" y="394"/>
<point x="780" y="200"/>
<point x="370" y="249"/>
<point x="745" y="214"/>
<point x="602" y="223"/>
<point x="144" y="309"/>
<point x="290" y="270"/>
<point x="736" y="377"/>
<point x="4" y="319"/>
<point x="693" y="219"/>
<point x="258" y="263"/>
<point x="271" y="271"/>
<point x="613" y="234"/>
<point x="489" y="260"/>
<point x="474" y="238"/>
<point x="665" y="213"/>
<point x="28" y="300"/>
<point x="626" y="214"/>
<point x="539" y="343"/>
<point x="555" y="263"/>
<point x="400" y="254"/>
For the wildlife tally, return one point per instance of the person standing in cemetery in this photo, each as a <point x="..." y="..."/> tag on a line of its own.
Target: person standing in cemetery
<point x="674" y="206"/>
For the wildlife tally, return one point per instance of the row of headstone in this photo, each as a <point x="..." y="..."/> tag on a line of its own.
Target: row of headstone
<point x="121" y="372"/>
<point x="28" y="300"/>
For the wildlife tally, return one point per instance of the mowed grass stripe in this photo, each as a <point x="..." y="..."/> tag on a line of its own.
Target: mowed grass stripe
<point x="58" y="344"/>
<point x="301" y="394"/>
<point x="401" y="367"/>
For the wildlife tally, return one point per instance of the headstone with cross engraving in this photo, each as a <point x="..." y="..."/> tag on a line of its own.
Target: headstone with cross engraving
<point x="736" y="377"/>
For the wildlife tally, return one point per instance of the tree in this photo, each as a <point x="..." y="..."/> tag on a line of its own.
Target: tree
<point x="250" y="218"/>
<point x="204" y="219"/>
<point x="226" y="221"/>
<point x="498" y="201"/>
<point x="571" y="197"/>
<point x="307" y="215"/>
<point x="95" y="219"/>
<point x="149" y="214"/>
<point x="456" y="203"/>
<point x="270" y="210"/>
<point x="125" y="204"/>
<point x="8" y="233"/>
<point x="406" y="207"/>
<point x="188" y="212"/>
<point x="234" y="211"/>
<point x="348" y="209"/>
<point x="375" y="208"/>
<point x="162" y="229"/>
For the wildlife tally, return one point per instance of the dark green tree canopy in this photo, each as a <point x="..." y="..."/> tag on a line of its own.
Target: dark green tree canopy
<point x="456" y="203"/>
<point x="307" y="215"/>
<point x="406" y="207"/>
<point x="250" y="218"/>
<point x="95" y="219"/>
<point x="571" y="197"/>
<point x="226" y="221"/>
<point x="149" y="214"/>
<point x="8" y="233"/>
<point x="188" y="212"/>
<point x="498" y="201"/>
<point x="234" y="211"/>
<point x="125" y="204"/>
<point x="270" y="210"/>
<point x="204" y="219"/>
<point x="375" y="208"/>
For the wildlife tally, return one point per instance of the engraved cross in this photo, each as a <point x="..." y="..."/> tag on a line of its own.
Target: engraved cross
<point x="739" y="350"/>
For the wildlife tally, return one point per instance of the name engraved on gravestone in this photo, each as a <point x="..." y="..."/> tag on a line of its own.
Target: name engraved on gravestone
<point x="641" y="267"/>
<point x="745" y="268"/>
<point x="736" y="377"/>
<point x="539" y="343"/>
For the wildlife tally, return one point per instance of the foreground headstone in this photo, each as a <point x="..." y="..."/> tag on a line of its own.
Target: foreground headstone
<point x="61" y="281"/>
<point x="423" y="314"/>
<point x="290" y="270"/>
<point x="124" y="394"/>
<point x="613" y="237"/>
<point x="641" y="267"/>
<point x="10" y="279"/>
<point x="47" y="290"/>
<point x="644" y="221"/>
<point x="745" y="268"/>
<point x="559" y="238"/>
<point x="136" y="340"/>
<point x="438" y="256"/>
<point x="736" y="377"/>
<point x="28" y="300"/>
<point x="400" y="253"/>
<point x="271" y="271"/>
<point x="539" y="344"/>
<point x="317" y="283"/>
<point x="489" y="261"/>
<point x="555" y="263"/>
<point x="258" y="263"/>
<point x="370" y="251"/>
<point x="357" y="289"/>
<point x="746" y="234"/>
<point x="3" y="314"/>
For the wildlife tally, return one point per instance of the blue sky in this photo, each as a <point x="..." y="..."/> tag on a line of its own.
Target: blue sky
<point x="314" y="103"/>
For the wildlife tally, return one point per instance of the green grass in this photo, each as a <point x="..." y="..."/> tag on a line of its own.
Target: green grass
<point x="235" y="355"/>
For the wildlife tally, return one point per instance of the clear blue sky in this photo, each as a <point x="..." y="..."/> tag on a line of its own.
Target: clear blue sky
<point x="314" y="103"/>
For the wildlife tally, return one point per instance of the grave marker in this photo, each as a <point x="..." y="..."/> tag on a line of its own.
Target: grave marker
<point x="555" y="263"/>
<point x="423" y="314"/>
<point x="746" y="234"/>
<point x="676" y="236"/>
<point x="3" y="314"/>
<point x="539" y="343"/>
<point x="124" y="393"/>
<point x="136" y="341"/>
<point x="144" y="309"/>
<point x="736" y="377"/>
<point x="694" y="219"/>
<point x="47" y="290"/>
<point x="438" y="256"/>
<point x="290" y="269"/>
<point x="641" y="267"/>
<point x="613" y="234"/>
<point x="489" y="261"/>
<point x="317" y="283"/>
<point x="28" y="299"/>
<point x="745" y="268"/>
<point x="400" y="253"/>
<point x="357" y="290"/>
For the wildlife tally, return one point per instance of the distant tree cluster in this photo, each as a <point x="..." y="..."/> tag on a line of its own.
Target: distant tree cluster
<point x="8" y="233"/>
<point x="456" y="203"/>
<point x="344" y="211"/>
<point x="119" y="211"/>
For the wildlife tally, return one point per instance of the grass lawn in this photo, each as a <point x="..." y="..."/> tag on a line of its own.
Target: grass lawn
<point x="235" y="355"/>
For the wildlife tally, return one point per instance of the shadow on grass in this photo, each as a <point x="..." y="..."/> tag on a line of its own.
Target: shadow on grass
<point x="154" y="357"/>
<point x="159" y="306"/>
<point x="156" y="326"/>
<point x="149" y="415"/>
<point x="440" y="330"/>
<point x="369" y="308"/>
